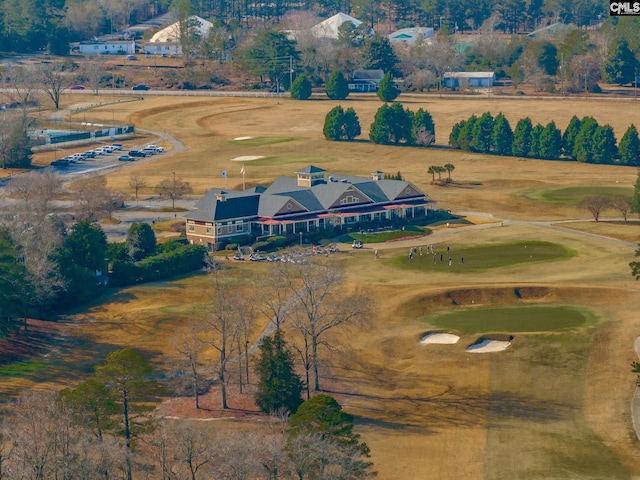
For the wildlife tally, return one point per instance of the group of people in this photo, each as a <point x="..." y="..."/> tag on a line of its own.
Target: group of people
<point x="430" y="249"/>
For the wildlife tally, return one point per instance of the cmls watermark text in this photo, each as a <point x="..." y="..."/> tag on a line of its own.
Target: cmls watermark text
<point x="617" y="8"/>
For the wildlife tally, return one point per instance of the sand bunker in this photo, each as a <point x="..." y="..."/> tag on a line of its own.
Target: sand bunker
<point x="247" y="158"/>
<point x="488" y="345"/>
<point x="441" y="338"/>
<point x="243" y="138"/>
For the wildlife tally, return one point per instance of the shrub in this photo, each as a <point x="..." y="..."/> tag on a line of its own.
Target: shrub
<point x="387" y="90"/>
<point x="337" y="87"/>
<point x="301" y="88"/>
<point x="175" y="260"/>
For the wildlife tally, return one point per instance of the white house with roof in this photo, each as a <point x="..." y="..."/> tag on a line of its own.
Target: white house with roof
<point x="167" y="41"/>
<point x="468" y="79"/>
<point x="329" y="28"/>
<point x="113" y="47"/>
<point x="411" y="35"/>
<point x="310" y="202"/>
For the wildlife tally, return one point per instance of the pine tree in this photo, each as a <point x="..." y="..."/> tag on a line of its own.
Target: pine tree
<point x="522" y="138"/>
<point x="604" y="145"/>
<point x="279" y="387"/>
<point x="455" y="134"/>
<point x="351" y="124"/>
<point x="550" y="142"/>
<point x="301" y="88"/>
<point x="620" y="64"/>
<point x="337" y="87"/>
<point x="466" y="133"/>
<point x="423" y="130"/>
<point x="534" y="149"/>
<point x="583" y="145"/>
<point x="392" y="124"/>
<point x="482" y="134"/>
<point x="635" y="200"/>
<point x="333" y="123"/>
<point x="387" y="90"/>
<point x="502" y="136"/>
<point x="569" y="136"/>
<point x="629" y="148"/>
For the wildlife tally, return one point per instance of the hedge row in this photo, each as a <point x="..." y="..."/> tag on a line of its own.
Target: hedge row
<point x="182" y="259"/>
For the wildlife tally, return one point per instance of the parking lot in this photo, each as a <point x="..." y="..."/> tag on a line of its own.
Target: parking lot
<point x="106" y="156"/>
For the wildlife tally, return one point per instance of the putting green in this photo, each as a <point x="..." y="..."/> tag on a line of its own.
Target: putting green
<point x="484" y="256"/>
<point x="517" y="319"/>
<point x="574" y="195"/>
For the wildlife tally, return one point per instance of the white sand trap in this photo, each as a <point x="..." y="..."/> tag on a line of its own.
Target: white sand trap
<point x="488" y="345"/>
<point x="441" y="338"/>
<point x="247" y="158"/>
<point x="243" y="138"/>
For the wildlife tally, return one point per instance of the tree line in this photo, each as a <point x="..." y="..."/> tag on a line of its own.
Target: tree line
<point x="583" y="140"/>
<point x="393" y="124"/>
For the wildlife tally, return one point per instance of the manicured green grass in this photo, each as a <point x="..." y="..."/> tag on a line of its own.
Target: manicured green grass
<point x="574" y="195"/>
<point x="260" y="141"/>
<point x="379" y="237"/>
<point x="485" y="256"/>
<point x="518" y="319"/>
<point x="283" y="160"/>
<point x="21" y="369"/>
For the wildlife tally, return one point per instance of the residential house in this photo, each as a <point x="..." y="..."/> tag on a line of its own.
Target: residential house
<point x="310" y="202"/>
<point x="468" y="79"/>
<point x="108" y="47"/>
<point x="409" y="36"/>
<point x="365" y="80"/>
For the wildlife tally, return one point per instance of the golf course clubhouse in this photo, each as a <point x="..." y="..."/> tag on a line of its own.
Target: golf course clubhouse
<point x="311" y="202"/>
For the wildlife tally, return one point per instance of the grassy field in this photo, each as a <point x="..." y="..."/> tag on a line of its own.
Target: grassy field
<point x="555" y="405"/>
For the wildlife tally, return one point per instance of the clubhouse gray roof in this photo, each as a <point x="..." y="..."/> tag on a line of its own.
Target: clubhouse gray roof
<point x="322" y="196"/>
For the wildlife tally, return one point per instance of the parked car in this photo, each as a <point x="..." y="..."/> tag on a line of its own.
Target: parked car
<point x="89" y="154"/>
<point x="100" y="151"/>
<point x="137" y="153"/>
<point x="126" y="158"/>
<point x="142" y="86"/>
<point x="149" y="151"/>
<point x="131" y="57"/>
<point x="116" y="146"/>
<point x="77" y="87"/>
<point x="62" y="162"/>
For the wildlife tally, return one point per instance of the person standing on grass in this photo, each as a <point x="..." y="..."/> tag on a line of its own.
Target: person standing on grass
<point x="461" y="260"/>
<point x="449" y="261"/>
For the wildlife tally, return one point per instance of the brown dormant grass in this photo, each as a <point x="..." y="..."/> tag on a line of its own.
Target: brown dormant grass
<point x="552" y="406"/>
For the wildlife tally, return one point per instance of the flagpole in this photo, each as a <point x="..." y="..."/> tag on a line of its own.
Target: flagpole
<point x="243" y="177"/>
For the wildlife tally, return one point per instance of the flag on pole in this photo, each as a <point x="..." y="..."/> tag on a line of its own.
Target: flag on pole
<point x="224" y="173"/>
<point x="242" y="170"/>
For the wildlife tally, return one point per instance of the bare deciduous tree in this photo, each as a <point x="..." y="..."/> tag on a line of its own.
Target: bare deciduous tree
<point x="21" y="87"/>
<point x="53" y="80"/>
<point x="321" y="307"/>
<point x="35" y="190"/>
<point x="623" y="205"/>
<point x="595" y="205"/>
<point x="137" y="183"/>
<point x="94" y="70"/>
<point x="189" y="347"/>
<point x="223" y="329"/>
<point x="174" y="189"/>
<point x="94" y="199"/>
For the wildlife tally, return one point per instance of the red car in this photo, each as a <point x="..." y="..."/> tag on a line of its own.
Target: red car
<point x="77" y="87"/>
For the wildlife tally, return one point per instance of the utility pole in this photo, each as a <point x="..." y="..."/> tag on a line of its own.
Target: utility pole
<point x="290" y="72"/>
